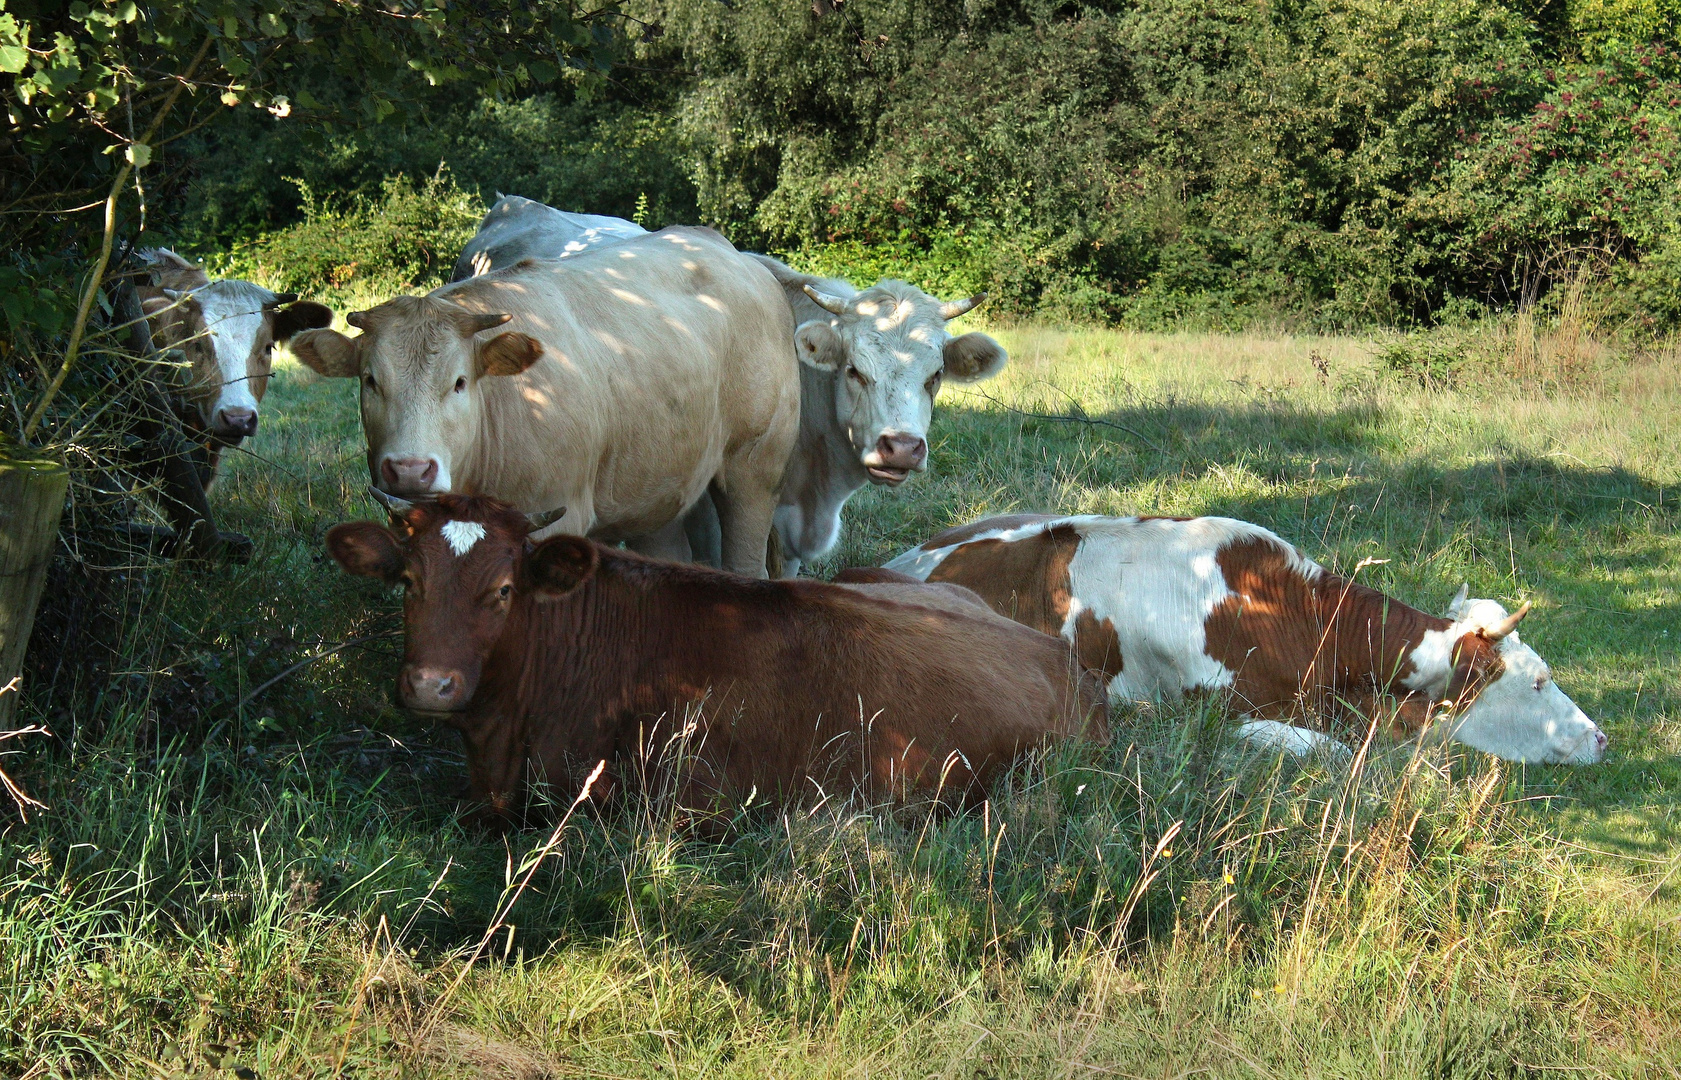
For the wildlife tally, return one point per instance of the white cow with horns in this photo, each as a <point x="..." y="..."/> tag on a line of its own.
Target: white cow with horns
<point x="226" y="331"/>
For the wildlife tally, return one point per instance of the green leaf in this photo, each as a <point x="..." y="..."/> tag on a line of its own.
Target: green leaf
<point x="230" y="99"/>
<point x="13" y="58"/>
<point x="230" y="27"/>
<point x="79" y="11"/>
<point x="139" y="154"/>
<point x="126" y="11"/>
<point x="272" y="25"/>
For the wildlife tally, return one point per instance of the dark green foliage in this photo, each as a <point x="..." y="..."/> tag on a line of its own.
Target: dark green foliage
<point x="407" y="236"/>
<point x="1338" y="162"/>
<point x="1328" y="163"/>
<point x="86" y="86"/>
<point x="599" y="155"/>
<point x="1172" y="161"/>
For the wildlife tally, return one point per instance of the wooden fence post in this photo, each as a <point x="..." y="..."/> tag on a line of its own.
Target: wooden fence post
<point x="32" y="494"/>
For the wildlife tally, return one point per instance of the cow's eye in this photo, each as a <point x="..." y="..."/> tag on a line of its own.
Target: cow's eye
<point x="1539" y="683"/>
<point x="856" y="375"/>
<point x="933" y="383"/>
<point x="461" y="384"/>
<point x="504" y="592"/>
<point x="368" y="381"/>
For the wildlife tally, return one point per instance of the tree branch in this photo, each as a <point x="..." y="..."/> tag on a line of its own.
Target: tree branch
<point x="79" y="328"/>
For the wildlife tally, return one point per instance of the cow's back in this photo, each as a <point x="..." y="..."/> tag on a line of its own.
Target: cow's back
<point x="517" y="228"/>
<point x="1134" y="594"/>
<point x="897" y="686"/>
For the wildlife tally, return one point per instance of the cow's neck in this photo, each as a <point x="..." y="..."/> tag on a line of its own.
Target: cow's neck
<point x="823" y="471"/>
<point x="1373" y="637"/>
<point x="601" y="651"/>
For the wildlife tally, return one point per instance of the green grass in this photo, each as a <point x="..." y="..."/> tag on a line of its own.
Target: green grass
<point x="279" y="883"/>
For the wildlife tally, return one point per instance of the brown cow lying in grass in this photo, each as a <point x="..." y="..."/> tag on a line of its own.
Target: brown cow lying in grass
<point x="551" y="657"/>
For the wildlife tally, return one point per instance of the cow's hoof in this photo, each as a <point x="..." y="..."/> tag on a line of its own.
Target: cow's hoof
<point x="237" y="547"/>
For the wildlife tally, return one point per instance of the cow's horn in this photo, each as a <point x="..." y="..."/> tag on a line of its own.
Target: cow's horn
<point x="280" y="300"/>
<point x="544" y="519"/>
<point x="173" y="294"/>
<point x="478" y="323"/>
<point x="394" y="506"/>
<point x="951" y="309"/>
<point x="1505" y="626"/>
<point x="1457" y="604"/>
<point x="834" y="305"/>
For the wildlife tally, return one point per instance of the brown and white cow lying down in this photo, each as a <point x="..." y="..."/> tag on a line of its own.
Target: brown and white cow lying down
<point x="227" y="330"/>
<point x="1160" y="606"/>
<point x="550" y="657"/>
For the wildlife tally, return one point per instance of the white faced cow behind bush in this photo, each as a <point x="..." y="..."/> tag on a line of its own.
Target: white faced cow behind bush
<point x="1162" y="606"/>
<point x="227" y="332"/>
<point x="872" y="362"/>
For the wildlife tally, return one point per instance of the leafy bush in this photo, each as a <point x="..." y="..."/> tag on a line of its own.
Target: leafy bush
<point x="1220" y="162"/>
<point x="595" y="156"/>
<point x="407" y="237"/>
<point x="1217" y="163"/>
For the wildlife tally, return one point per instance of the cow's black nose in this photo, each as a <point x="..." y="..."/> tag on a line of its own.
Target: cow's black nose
<point x="235" y="423"/>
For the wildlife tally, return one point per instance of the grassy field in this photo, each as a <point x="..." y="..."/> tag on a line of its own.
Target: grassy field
<point x="238" y="873"/>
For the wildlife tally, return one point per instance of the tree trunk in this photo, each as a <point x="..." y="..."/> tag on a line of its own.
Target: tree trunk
<point x="31" y="500"/>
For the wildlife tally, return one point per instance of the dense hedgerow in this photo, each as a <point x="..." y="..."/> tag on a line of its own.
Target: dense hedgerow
<point x="1332" y="163"/>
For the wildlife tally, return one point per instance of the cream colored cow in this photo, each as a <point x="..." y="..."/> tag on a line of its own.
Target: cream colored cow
<point x="620" y="383"/>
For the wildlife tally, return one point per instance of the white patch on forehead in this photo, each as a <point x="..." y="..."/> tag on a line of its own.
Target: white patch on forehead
<point x="462" y="535"/>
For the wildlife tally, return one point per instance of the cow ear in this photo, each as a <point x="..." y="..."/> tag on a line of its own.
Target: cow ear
<point x="1474" y="661"/>
<point x="974" y="357"/>
<point x="508" y="354"/>
<point x="819" y="346"/>
<point x="301" y="316"/>
<point x="560" y="564"/>
<point x="365" y="549"/>
<point x="327" y="352"/>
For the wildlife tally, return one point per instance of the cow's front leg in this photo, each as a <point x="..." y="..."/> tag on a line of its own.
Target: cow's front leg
<point x="671" y="541"/>
<point x="744" y="518"/>
<point x="495" y="770"/>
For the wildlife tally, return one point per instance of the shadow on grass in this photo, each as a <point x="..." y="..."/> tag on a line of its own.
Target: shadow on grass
<point x="316" y="764"/>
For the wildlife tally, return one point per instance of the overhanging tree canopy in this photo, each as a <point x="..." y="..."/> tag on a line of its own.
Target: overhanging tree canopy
<point x="95" y="93"/>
